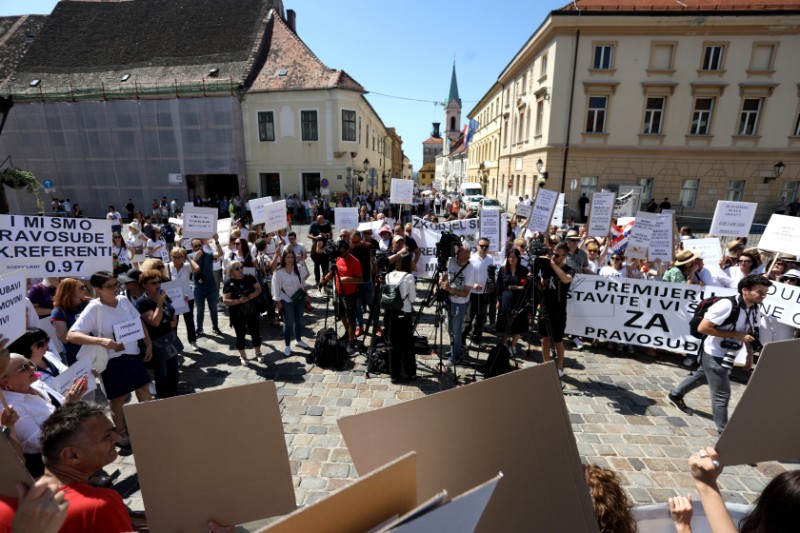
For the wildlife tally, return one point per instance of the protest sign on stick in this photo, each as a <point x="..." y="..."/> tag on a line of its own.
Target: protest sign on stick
<point x="257" y="208"/>
<point x="275" y="216"/>
<point x="402" y="191"/>
<point x="523" y="210"/>
<point x="558" y="212"/>
<point x="54" y="246"/>
<point x="600" y="214"/>
<point x="781" y="235"/>
<point x="662" y="240"/>
<point x="709" y="249"/>
<point x="490" y="227"/>
<point x="732" y="219"/>
<point x="12" y="304"/>
<point x="542" y="213"/>
<point x="249" y="477"/>
<point x="346" y="218"/>
<point x="200" y="222"/>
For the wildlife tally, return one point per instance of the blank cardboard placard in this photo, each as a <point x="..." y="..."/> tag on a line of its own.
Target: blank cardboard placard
<point x="760" y="428"/>
<point x="217" y="455"/>
<point x="516" y="424"/>
<point x="388" y="491"/>
<point x="12" y="470"/>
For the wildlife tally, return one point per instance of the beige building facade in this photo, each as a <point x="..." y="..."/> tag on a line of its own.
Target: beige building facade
<point x="688" y="105"/>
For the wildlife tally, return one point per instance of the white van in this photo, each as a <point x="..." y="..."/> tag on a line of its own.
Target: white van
<point x="470" y="189"/>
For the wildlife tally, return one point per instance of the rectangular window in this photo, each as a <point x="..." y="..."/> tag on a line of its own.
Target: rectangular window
<point x="735" y="191"/>
<point x="266" y="126"/>
<point x="789" y="190"/>
<point x="588" y="185"/>
<point x="602" y="57"/>
<point x="348" y="125"/>
<point x="647" y="189"/>
<point x="308" y="125"/>
<point x="689" y="189"/>
<point x="701" y="117"/>
<point x="539" y="116"/>
<point x="712" y="57"/>
<point x="748" y="122"/>
<point x="543" y="67"/>
<point x="596" y="117"/>
<point x="653" y="115"/>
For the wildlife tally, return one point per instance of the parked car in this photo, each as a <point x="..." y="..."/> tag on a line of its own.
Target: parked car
<point x="473" y="202"/>
<point x="490" y="203"/>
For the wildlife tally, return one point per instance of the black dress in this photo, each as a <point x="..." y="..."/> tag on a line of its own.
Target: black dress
<point x="513" y="300"/>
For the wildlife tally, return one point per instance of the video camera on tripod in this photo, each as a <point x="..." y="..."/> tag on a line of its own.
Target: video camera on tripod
<point x="446" y="248"/>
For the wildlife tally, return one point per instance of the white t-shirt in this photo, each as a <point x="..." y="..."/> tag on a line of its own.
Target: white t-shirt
<point x="181" y="275"/>
<point x="115" y="218"/>
<point x="610" y="272"/>
<point x="87" y="322"/>
<point x="459" y="279"/>
<point x="717" y="313"/>
<point x="481" y="267"/>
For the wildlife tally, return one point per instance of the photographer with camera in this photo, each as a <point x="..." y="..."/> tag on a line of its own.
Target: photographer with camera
<point x="348" y="275"/>
<point x="478" y="298"/>
<point x="729" y="326"/>
<point x="553" y="276"/>
<point x="319" y="232"/>
<point x="458" y="281"/>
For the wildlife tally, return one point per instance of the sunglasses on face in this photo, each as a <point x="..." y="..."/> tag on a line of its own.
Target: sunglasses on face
<point x="483" y="245"/>
<point x="27" y="365"/>
<point x="557" y="256"/>
<point x="110" y="285"/>
<point x="42" y="343"/>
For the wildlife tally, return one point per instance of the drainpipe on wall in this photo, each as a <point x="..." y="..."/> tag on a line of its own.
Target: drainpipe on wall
<point x="569" y="113"/>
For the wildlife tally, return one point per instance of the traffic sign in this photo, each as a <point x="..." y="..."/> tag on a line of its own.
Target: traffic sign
<point x="324" y="183"/>
<point x="48" y="184"/>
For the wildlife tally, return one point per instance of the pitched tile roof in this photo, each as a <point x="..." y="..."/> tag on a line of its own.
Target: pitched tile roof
<point x="84" y="43"/>
<point x="683" y="5"/>
<point x="292" y="66"/>
<point x="433" y="140"/>
<point x="17" y="34"/>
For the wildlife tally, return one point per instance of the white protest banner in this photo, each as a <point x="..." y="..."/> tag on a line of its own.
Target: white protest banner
<point x="781" y="235"/>
<point x="275" y="216"/>
<point x="600" y="214"/>
<point x="653" y="314"/>
<point x="733" y="219"/>
<point x="640" y="235"/>
<point x="176" y="221"/>
<point x="82" y="367"/>
<point x="55" y="246"/>
<point x="542" y="212"/>
<point x="661" y="241"/>
<point x="374" y="225"/>
<point x="256" y="206"/>
<point x="558" y="213"/>
<point x="345" y="218"/>
<point x="12" y="304"/>
<point x="783" y="304"/>
<point x="427" y="234"/>
<point x="402" y="191"/>
<point x="177" y="296"/>
<point x="128" y="331"/>
<point x="490" y="227"/>
<point x="523" y="210"/>
<point x="709" y="249"/>
<point x="199" y="222"/>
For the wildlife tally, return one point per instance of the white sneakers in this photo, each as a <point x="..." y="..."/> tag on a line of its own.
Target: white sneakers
<point x="287" y="350"/>
<point x="577" y="343"/>
<point x="302" y="344"/>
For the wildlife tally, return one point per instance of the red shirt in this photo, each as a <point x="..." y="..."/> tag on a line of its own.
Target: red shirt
<point x="349" y="267"/>
<point x="90" y="509"/>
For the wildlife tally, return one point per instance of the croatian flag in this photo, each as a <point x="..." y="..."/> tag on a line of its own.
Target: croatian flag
<point x="619" y="234"/>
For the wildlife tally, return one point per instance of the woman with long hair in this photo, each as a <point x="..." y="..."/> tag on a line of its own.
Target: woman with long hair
<point x="120" y="250"/>
<point x="71" y="298"/>
<point x="125" y="371"/>
<point x="402" y="361"/>
<point x="612" y="508"/>
<point x="511" y="285"/>
<point x="291" y="298"/>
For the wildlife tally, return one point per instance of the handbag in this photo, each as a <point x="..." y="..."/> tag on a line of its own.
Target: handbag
<point x="98" y="354"/>
<point x="168" y="345"/>
<point x="298" y="296"/>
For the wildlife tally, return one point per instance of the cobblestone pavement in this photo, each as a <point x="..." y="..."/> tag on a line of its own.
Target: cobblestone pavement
<point x="617" y="403"/>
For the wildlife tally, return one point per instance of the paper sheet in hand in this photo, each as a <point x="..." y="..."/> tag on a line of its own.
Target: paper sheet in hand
<point x="129" y="331"/>
<point x="257" y="208"/>
<point x="178" y="300"/>
<point x="217" y="455"/>
<point x="199" y="222"/>
<point x="542" y="212"/>
<point x="601" y="211"/>
<point x="275" y="216"/>
<point x="371" y="500"/>
<point x="12" y="304"/>
<point x="346" y="218"/>
<point x="761" y="427"/>
<point x="12" y="470"/>
<point x="640" y="235"/>
<point x="81" y="367"/>
<point x="461" y="441"/>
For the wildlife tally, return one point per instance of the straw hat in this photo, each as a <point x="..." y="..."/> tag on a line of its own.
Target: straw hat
<point x="685" y="257"/>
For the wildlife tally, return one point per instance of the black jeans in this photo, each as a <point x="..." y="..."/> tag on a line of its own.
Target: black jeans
<point x="244" y="322"/>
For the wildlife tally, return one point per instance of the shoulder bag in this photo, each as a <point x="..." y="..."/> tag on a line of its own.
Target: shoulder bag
<point x="97" y="353"/>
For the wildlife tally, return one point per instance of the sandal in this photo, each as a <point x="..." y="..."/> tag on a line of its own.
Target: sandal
<point x="243" y="358"/>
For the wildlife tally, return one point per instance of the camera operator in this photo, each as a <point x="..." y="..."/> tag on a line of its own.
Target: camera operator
<point x="458" y="281"/>
<point x="348" y="275"/>
<point x="727" y="327"/>
<point x="363" y="252"/>
<point x="553" y="278"/>
<point x="411" y="244"/>
<point x="478" y="298"/>
<point x="319" y="231"/>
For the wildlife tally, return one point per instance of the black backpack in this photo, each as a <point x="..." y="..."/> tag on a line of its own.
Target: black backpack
<point x="326" y="351"/>
<point x="391" y="299"/>
<point x="498" y="362"/>
<point x="703" y="306"/>
<point x="378" y="362"/>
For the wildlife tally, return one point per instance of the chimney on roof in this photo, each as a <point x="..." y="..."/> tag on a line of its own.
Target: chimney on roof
<point x="291" y="19"/>
<point x="436" y="130"/>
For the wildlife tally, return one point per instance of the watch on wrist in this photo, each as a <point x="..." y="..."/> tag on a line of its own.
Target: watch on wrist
<point x="6" y="431"/>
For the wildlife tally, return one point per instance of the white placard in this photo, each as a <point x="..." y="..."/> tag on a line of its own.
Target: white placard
<point x="55" y="246"/>
<point x="200" y="222"/>
<point x="782" y="234"/>
<point x="129" y="331"/>
<point x="345" y="218"/>
<point x="542" y="212"/>
<point x="490" y="221"/>
<point x="178" y="299"/>
<point x="183" y="284"/>
<point x="402" y="191"/>
<point x="558" y="213"/>
<point x="709" y="249"/>
<point x="81" y="367"/>
<point x="733" y="219"/>
<point x="257" y="208"/>
<point x="164" y="256"/>
<point x="176" y="221"/>
<point x="661" y="241"/>
<point x="523" y="210"/>
<point x="601" y="211"/>
<point x="640" y="235"/>
<point x="373" y="225"/>
<point x="12" y="304"/>
<point x="275" y="216"/>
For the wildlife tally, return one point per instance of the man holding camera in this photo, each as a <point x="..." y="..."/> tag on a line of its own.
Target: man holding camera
<point x="458" y="281"/>
<point x="478" y="298"/>
<point x="729" y="329"/>
<point x="348" y="276"/>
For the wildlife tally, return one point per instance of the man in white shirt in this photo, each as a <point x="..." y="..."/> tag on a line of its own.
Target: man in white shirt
<point x="115" y="218"/>
<point x="458" y="281"/>
<point x="478" y="299"/>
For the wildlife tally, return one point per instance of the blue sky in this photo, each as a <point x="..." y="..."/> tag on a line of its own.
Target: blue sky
<point x="405" y="50"/>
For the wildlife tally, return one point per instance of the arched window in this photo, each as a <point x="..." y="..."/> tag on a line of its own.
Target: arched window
<point x="453" y="123"/>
